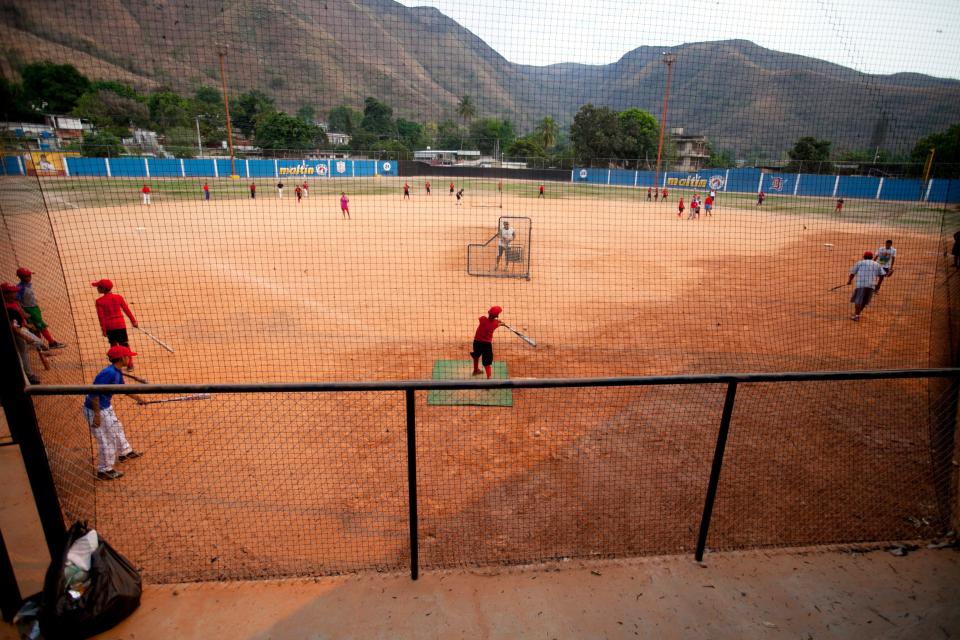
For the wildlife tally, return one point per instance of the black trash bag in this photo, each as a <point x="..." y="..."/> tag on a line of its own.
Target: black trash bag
<point x="113" y="592"/>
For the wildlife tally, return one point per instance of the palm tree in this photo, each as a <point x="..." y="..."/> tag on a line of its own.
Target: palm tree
<point x="548" y="132"/>
<point x="466" y="109"/>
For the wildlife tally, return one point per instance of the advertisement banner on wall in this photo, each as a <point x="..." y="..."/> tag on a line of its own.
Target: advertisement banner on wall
<point x="46" y="163"/>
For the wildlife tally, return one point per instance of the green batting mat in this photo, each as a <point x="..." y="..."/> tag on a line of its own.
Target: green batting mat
<point x="461" y="370"/>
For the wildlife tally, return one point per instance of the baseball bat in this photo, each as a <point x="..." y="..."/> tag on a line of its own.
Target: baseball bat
<point x="528" y="340"/>
<point x="195" y="396"/>
<point x="156" y="339"/>
<point x="837" y="287"/>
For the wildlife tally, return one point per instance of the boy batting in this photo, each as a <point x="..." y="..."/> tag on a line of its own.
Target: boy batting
<point x="483" y="341"/>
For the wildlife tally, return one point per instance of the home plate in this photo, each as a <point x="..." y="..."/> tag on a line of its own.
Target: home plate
<point x="828" y="245"/>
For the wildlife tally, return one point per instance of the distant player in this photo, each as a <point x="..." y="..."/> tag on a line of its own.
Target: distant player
<point x="541" y="193"/>
<point x="451" y="188"/>
<point x="306" y="190"/>
<point x="298" y="191"/>
<point x="680" y="209"/>
<point x="426" y="186"/>
<point x="886" y="256"/>
<point x="760" y="198"/>
<point x="664" y="195"/>
<point x="504" y="238"/>
<point x="206" y="191"/>
<point x="708" y="206"/>
<point x="459" y="196"/>
<point x="483" y="341"/>
<point x="839" y="205"/>
<point x="406" y="191"/>
<point x="656" y="193"/>
<point x="344" y="205"/>
<point x="145" y="194"/>
<point x="253" y="191"/>
<point x="280" y="190"/>
<point x="110" y="310"/>
<point x="866" y="271"/>
<point x="104" y="425"/>
<point x="649" y="193"/>
<point x="28" y="301"/>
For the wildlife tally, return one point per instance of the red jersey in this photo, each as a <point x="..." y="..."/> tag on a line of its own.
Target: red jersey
<point x="541" y="188"/>
<point x="486" y="329"/>
<point x="206" y="187"/>
<point x="110" y="310"/>
<point x="680" y="204"/>
<point x="145" y="189"/>
<point x="15" y="314"/>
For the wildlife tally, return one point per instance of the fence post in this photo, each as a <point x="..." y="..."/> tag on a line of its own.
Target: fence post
<point x="10" y="598"/>
<point x="412" y="481"/>
<point x="22" y="421"/>
<point x="715" y="470"/>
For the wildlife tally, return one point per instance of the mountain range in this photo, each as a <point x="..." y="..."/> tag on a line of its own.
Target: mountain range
<point x="324" y="53"/>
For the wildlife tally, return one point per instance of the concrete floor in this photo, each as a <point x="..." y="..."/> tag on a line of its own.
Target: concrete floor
<point x="811" y="593"/>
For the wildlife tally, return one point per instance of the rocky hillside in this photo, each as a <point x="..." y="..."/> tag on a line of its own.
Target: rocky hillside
<point x="325" y="53"/>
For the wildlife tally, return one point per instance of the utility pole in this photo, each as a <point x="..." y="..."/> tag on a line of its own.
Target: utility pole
<point x="222" y="51"/>
<point x="668" y="59"/>
<point x="199" y="141"/>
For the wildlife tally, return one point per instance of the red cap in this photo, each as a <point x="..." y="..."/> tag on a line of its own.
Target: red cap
<point x="495" y="311"/>
<point x="7" y="287"/>
<point x="106" y="284"/>
<point x="119" y="351"/>
<point x="23" y="271"/>
<point x="868" y="255"/>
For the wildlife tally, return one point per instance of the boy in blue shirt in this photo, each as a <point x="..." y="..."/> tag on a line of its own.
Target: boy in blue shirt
<point x="105" y="427"/>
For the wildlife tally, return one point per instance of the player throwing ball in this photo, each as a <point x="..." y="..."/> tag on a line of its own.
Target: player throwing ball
<point x="483" y="341"/>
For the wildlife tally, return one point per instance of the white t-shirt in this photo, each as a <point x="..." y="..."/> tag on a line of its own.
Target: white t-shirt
<point x="506" y="237"/>
<point x="885" y="256"/>
<point x="867" y="272"/>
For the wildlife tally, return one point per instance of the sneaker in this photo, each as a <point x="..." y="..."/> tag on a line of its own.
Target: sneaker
<point x="477" y="373"/>
<point x="109" y="474"/>
<point x="854" y="317"/>
<point x="129" y="456"/>
<point x="57" y="345"/>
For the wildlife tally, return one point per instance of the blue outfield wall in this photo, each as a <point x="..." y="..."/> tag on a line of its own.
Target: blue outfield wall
<point x="746" y="180"/>
<point x="751" y="180"/>
<point x="136" y="167"/>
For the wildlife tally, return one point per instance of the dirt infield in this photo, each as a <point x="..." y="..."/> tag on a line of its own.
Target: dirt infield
<point x="273" y="290"/>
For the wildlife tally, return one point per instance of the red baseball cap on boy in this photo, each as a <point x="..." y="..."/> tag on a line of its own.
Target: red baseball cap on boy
<point x="6" y="287"/>
<point x="23" y="271"/>
<point x="106" y="284"/>
<point x="119" y="351"/>
<point x="867" y="255"/>
<point x="495" y="311"/>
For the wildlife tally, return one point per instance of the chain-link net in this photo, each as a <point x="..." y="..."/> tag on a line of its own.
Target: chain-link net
<point x="345" y="224"/>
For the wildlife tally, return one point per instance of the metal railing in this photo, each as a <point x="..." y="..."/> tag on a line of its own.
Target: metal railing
<point x="411" y="387"/>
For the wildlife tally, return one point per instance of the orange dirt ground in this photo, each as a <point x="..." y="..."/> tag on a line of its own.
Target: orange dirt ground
<point x="270" y="290"/>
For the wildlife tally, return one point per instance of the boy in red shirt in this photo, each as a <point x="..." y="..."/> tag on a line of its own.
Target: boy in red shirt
<point x="406" y="191"/>
<point x="483" y="341"/>
<point x="541" y="193"/>
<point x="146" y="194"/>
<point x="206" y="191"/>
<point x="680" y="208"/>
<point x="664" y="195"/>
<point x="451" y="188"/>
<point x="110" y="310"/>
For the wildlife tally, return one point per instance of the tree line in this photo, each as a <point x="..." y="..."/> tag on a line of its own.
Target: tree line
<point x="626" y="139"/>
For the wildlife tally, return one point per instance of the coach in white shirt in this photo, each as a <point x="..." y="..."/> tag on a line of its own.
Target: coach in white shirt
<point x="866" y="271"/>
<point x="503" y="242"/>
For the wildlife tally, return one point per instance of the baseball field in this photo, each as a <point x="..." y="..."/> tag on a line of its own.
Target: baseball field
<point x="276" y="290"/>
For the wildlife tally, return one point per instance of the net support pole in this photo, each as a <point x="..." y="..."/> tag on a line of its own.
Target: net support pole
<point x="715" y="470"/>
<point x="412" y="481"/>
<point x="10" y="598"/>
<point x="22" y="421"/>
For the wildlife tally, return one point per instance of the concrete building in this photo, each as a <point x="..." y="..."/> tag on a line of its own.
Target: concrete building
<point x="692" y="151"/>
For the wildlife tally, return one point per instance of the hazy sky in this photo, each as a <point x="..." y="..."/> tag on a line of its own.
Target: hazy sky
<point x="878" y="36"/>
